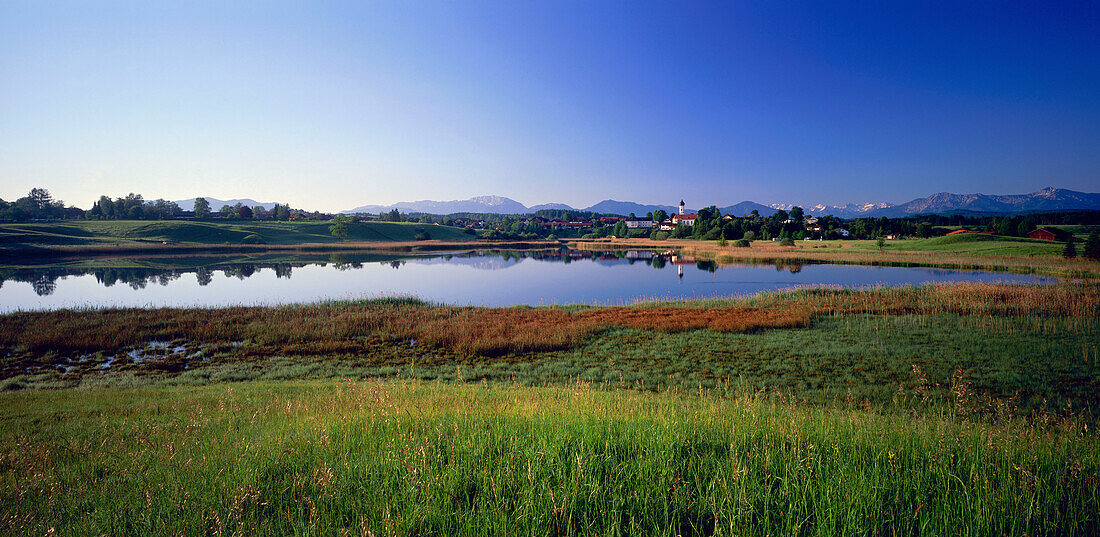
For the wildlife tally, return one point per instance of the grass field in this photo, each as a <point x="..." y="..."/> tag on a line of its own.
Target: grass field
<point x="412" y="458"/>
<point x="948" y="409"/>
<point x="1034" y="343"/>
<point x="137" y="232"/>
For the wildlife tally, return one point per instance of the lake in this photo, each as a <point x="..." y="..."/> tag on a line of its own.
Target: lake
<point x="489" y="278"/>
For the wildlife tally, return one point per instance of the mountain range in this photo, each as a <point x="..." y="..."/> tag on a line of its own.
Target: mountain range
<point x="215" y="204"/>
<point x="1047" y="199"/>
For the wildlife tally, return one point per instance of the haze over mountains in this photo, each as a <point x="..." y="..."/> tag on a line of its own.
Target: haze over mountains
<point x="1048" y="199"/>
<point x="215" y="204"/>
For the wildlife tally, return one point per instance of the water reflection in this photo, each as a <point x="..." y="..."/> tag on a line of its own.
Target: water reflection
<point x="44" y="279"/>
<point x="517" y="277"/>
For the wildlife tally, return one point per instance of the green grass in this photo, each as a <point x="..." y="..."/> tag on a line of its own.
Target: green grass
<point x="409" y="458"/>
<point x="938" y="410"/>
<point x="973" y="244"/>
<point x="1038" y="361"/>
<point x="136" y="232"/>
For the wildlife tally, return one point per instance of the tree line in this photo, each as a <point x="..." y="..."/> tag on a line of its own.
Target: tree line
<point x="40" y="205"/>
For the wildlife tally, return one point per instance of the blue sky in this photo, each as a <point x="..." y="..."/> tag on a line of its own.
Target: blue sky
<point x="330" y="105"/>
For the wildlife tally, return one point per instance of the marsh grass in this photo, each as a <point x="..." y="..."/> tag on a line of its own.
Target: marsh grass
<point x="352" y="326"/>
<point x="415" y="458"/>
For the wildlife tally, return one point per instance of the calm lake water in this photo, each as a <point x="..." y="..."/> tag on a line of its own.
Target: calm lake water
<point x="480" y="278"/>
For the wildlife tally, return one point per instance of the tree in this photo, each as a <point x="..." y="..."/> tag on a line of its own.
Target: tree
<point x="750" y="236"/>
<point x="1070" y="251"/>
<point x="1092" y="247"/>
<point x="660" y="215"/>
<point x="880" y="242"/>
<point x="620" y="229"/>
<point x="202" y="208"/>
<point x="797" y="214"/>
<point x="40" y="198"/>
<point x="339" y="226"/>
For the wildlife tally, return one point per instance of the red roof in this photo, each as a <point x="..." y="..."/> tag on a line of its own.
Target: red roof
<point x="684" y="216"/>
<point x="958" y="231"/>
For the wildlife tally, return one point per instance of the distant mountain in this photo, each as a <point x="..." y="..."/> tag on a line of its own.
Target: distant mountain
<point x="848" y="210"/>
<point x="1047" y="199"/>
<point x="746" y="207"/>
<point x="478" y="204"/>
<point x="215" y="203"/>
<point x="624" y="208"/>
<point x="550" y="207"/>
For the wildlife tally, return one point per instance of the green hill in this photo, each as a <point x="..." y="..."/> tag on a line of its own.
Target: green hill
<point x="133" y="232"/>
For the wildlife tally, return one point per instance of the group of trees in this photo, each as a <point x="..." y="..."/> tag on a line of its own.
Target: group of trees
<point x="37" y="205"/>
<point x="40" y="205"/>
<point x="132" y="207"/>
<point x="1091" y="250"/>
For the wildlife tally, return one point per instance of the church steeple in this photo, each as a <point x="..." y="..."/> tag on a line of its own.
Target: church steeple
<point x="681" y="206"/>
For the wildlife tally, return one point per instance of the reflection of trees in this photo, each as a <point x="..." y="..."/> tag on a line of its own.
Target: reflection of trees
<point x="283" y="270"/>
<point x="240" y="272"/>
<point x="204" y="276"/>
<point x="793" y="266"/>
<point x="658" y="262"/>
<point x="341" y="262"/>
<point x="167" y="277"/>
<point x="708" y="266"/>
<point x="44" y="285"/>
<point x="396" y="264"/>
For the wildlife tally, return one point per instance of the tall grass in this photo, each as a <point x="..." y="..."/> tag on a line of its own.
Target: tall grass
<point x="407" y="458"/>
<point x="337" y="327"/>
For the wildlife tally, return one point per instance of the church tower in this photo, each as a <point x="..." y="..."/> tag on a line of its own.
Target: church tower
<point x="681" y="206"/>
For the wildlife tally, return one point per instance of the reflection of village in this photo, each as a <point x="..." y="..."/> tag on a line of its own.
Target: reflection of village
<point x="44" y="280"/>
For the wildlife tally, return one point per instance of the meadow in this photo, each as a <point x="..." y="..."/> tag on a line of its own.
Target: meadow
<point x="130" y="233"/>
<point x="961" y="409"/>
<point x="379" y="457"/>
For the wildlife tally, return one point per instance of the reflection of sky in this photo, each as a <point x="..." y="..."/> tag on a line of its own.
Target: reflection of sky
<point x="476" y="281"/>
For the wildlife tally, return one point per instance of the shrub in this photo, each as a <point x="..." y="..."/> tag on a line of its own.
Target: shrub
<point x="660" y="235"/>
<point x="422" y="235"/>
<point x="741" y="243"/>
<point x="786" y="242"/>
<point x="1071" y="251"/>
<point x="253" y="239"/>
<point x="1092" y="247"/>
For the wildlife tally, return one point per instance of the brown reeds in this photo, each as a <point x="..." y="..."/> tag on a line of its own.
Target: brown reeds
<point x="348" y="327"/>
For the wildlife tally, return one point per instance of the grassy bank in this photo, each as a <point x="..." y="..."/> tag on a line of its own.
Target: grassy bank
<point x="411" y="458"/>
<point x="967" y="252"/>
<point x="133" y="233"/>
<point x="1039" y="344"/>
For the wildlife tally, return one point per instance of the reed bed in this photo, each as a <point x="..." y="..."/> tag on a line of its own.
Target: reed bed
<point x="411" y="458"/>
<point x="345" y="327"/>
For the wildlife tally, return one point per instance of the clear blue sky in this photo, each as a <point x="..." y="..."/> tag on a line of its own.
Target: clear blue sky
<point x="330" y="105"/>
